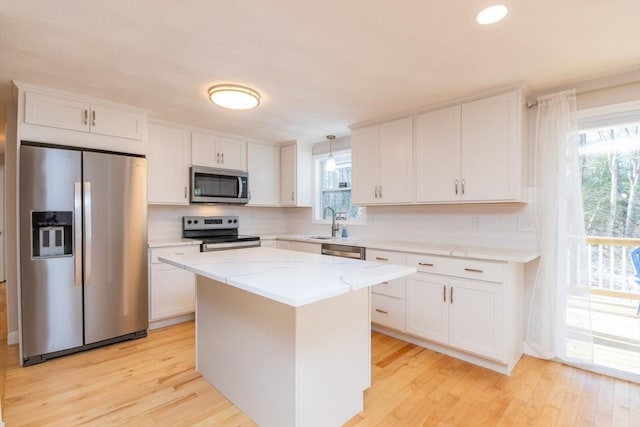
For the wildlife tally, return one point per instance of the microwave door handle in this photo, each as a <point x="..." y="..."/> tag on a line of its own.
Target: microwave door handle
<point x="240" y="187"/>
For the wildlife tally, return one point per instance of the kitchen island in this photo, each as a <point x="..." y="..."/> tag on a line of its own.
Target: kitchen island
<point x="285" y="335"/>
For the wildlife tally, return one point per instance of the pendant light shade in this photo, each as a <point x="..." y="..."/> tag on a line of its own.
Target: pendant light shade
<point x="330" y="165"/>
<point x="234" y="97"/>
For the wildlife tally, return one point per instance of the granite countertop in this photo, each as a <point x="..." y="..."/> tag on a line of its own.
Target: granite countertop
<point x="172" y="242"/>
<point x="462" y="251"/>
<point x="290" y="277"/>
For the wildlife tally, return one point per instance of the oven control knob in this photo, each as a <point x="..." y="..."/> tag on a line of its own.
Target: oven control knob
<point x="189" y="221"/>
<point x="229" y="221"/>
<point x="235" y="221"/>
<point x="195" y="221"/>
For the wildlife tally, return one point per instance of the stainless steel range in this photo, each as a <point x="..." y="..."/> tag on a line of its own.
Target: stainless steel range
<point x="217" y="233"/>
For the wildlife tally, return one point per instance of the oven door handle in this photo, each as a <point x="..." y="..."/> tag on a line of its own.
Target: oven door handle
<point x="207" y="247"/>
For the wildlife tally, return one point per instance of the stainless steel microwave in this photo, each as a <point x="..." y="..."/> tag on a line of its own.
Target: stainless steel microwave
<point x="212" y="185"/>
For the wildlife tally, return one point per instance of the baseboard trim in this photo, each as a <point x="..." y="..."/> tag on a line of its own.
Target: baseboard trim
<point x="157" y="324"/>
<point x="13" y="337"/>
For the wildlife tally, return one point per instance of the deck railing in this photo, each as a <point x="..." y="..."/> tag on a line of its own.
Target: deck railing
<point x="610" y="266"/>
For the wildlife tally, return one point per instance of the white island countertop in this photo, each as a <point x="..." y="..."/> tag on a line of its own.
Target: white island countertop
<point x="289" y="277"/>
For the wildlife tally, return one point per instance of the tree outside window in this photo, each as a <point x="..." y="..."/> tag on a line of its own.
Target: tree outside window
<point x="334" y="189"/>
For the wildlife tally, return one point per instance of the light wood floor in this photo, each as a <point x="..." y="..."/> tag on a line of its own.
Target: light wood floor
<point x="152" y="382"/>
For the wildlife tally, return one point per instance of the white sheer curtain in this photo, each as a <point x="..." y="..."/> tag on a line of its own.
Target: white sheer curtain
<point x="559" y="321"/>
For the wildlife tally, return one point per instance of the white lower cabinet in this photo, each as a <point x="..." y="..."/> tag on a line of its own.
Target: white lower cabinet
<point x="171" y="289"/>
<point x="459" y="312"/>
<point x="313" y="248"/>
<point x="388" y="298"/>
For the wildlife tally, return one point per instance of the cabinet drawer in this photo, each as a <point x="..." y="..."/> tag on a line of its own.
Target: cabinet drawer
<point x="173" y="250"/>
<point x="387" y="311"/>
<point x="490" y="271"/>
<point x="393" y="288"/>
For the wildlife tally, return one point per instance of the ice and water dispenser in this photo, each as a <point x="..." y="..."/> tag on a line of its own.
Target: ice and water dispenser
<point x="52" y="234"/>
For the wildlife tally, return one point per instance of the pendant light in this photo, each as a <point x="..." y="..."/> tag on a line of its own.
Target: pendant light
<point x="330" y="166"/>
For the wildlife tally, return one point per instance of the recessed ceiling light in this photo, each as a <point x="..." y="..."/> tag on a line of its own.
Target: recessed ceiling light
<point x="234" y="97"/>
<point x="492" y="14"/>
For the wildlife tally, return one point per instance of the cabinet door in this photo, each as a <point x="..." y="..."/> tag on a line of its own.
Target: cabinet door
<point x="117" y="122"/>
<point x="490" y="148"/>
<point x="288" y="175"/>
<point x="395" y="176"/>
<point x="172" y="291"/>
<point x="168" y="165"/>
<point x="427" y="307"/>
<point x="438" y="155"/>
<point x="282" y="244"/>
<point x="263" y="164"/>
<point x="477" y="318"/>
<point x="55" y="111"/>
<point x="364" y="165"/>
<point x="233" y="153"/>
<point x="313" y="248"/>
<point x="204" y="150"/>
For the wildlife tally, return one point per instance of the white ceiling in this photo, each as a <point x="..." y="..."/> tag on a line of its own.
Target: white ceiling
<point x="319" y="65"/>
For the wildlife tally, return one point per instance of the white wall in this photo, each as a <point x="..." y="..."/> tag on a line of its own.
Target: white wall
<point x="165" y="222"/>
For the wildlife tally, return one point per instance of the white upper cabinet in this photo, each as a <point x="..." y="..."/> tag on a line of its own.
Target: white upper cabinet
<point x="75" y="114"/>
<point x="382" y="163"/>
<point x="471" y="152"/>
<point x="295" y="174"/>
<point x="263" y="165"/>
<point x="438" y="155"/>
<point x="168" y="160"/>
<point x="56" y="117"/>
<point x="491" y="147"/>
<point x="218" y="151"/>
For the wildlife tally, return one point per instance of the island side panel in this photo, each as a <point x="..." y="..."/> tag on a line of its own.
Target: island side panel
<point x="245" y="348"/>
<point x="333" y="355"/>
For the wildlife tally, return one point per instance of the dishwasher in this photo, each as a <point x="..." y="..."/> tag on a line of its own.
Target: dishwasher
<point x="343" y="251"/>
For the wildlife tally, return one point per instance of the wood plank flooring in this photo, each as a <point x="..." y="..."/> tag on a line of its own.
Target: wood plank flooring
<point x="152" y="382"/>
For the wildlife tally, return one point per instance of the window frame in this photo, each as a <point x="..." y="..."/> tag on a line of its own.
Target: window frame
<point x="316" y="215"/>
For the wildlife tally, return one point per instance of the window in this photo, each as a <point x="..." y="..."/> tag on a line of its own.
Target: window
<point x="333" y="189"/>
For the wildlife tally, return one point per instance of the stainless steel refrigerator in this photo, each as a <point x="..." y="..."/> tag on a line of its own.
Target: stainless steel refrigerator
<point x="83" y="256"/>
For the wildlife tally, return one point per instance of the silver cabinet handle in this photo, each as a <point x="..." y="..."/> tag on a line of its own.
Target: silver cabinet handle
<point x="93" y="117"/>
<point x="444" y="293"/>
<point x="77" y="231"/>
<point x="425" y="264"/>
<point x="380" y="191"/>
<point x="376" y="191"/>
<point x="292" y="198"/>
<point x="451" y="296"/>
<point x="463" y="186"/>
<point x="222" y="157"/>
<point x="473" y="270"/>
<point x="185" y="192"/>
<point x="86" y="116"/>
<point x="456" y="187"/>
<point x="217" y="157"/>
<point x="379" y="258"/>
<point x="87" y="233"/>
<point x="382" y="311"/>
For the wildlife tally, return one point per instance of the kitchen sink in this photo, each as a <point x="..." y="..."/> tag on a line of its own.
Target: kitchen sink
<point x="321" y="237"/>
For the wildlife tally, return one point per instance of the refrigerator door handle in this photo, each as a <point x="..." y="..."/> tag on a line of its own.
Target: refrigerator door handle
<point x="87" y="233"/>
<point x="77" y="231"/>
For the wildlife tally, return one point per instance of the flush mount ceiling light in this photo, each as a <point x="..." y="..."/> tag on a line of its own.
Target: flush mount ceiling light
<point x="234" y="97"/>
<point x="330" y="166"/>
<point x="492" y="14"/>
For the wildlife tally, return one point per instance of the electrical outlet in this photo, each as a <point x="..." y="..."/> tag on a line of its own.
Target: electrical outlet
<point x="525" y="224"/>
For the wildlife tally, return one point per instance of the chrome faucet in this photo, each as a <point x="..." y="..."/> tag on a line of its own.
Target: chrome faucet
<point x="334" y="227"/>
